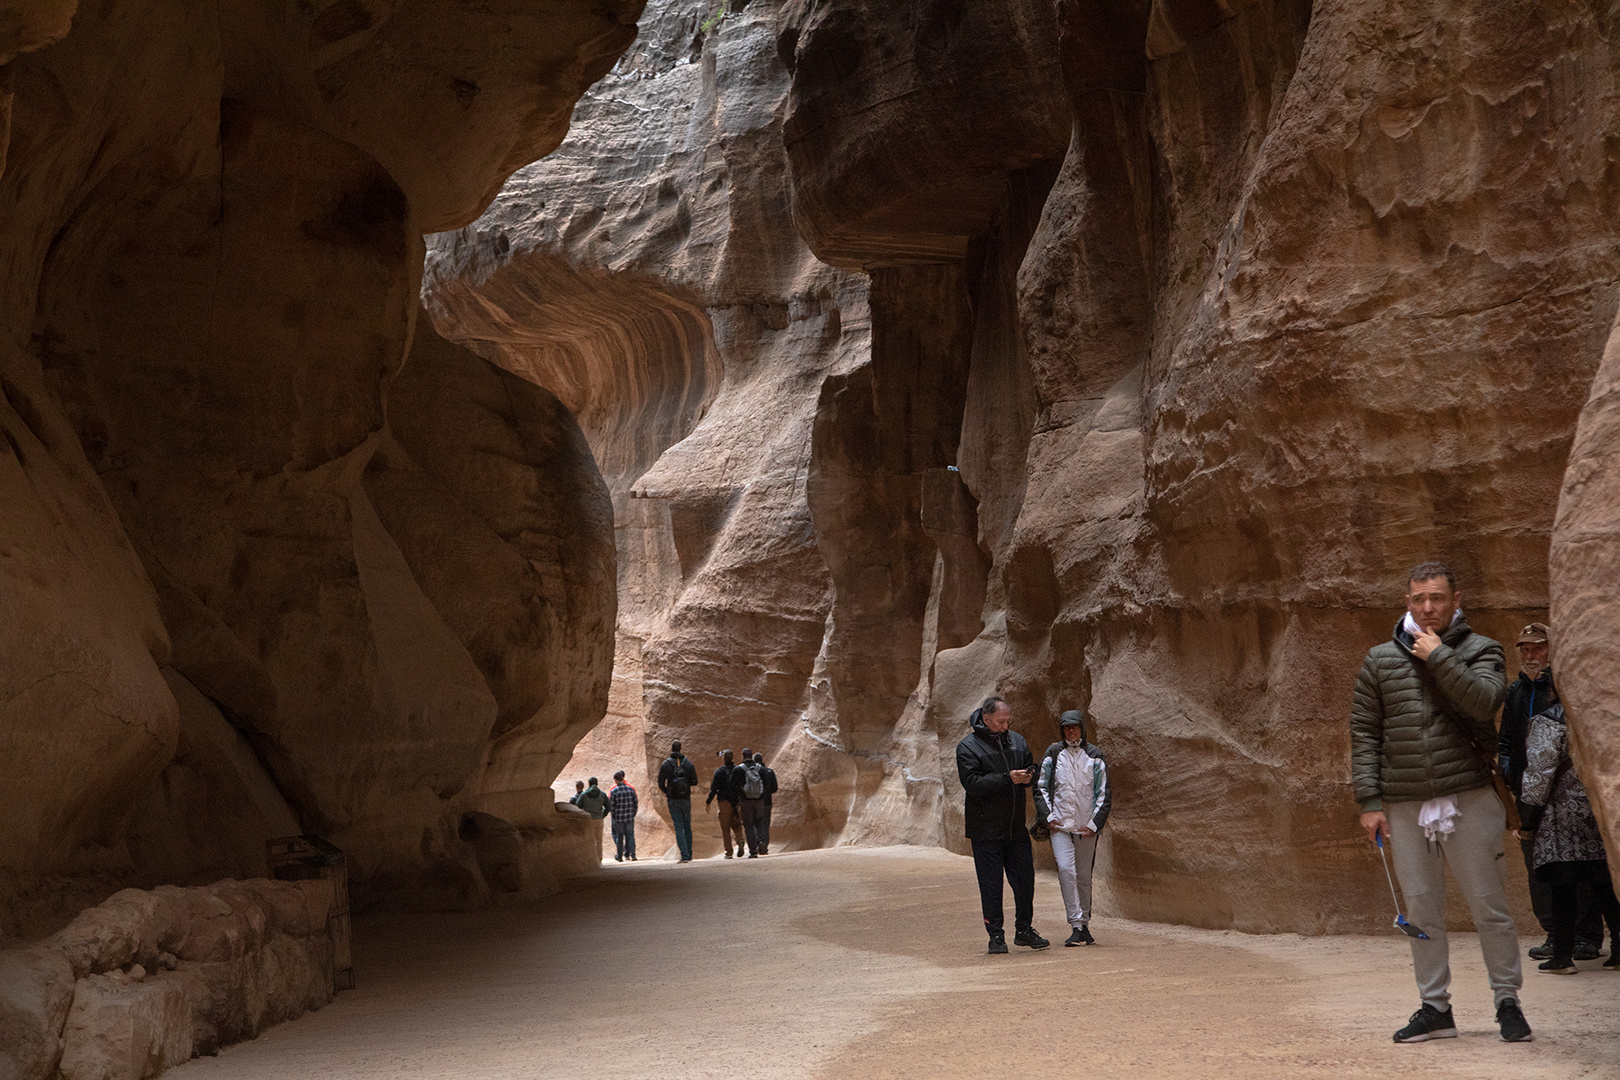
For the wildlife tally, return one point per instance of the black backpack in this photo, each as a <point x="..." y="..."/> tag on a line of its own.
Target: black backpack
<point x="680" y="787"/>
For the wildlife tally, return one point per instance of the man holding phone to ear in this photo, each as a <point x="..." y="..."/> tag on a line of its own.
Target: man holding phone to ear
<point x="995" y="766"/>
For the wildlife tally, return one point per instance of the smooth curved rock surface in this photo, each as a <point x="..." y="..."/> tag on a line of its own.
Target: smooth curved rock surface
<point x="648" y="274"/>
<point x="1585" y="545"/>
<point x="1166" y="387"/>
<point x="236" y="475"/>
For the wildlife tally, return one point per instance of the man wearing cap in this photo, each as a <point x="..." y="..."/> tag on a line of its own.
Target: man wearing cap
<point x="1073" y="797"/>
<point x="1421" y="738"/>
<point x="1533" y="693"/>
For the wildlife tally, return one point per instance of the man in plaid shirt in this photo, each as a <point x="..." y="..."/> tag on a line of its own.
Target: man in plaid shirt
<point x="622" y="805"/>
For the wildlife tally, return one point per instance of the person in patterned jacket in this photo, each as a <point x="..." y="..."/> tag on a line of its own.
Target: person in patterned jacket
<point x="622" y="806"/>
<point x="1568" y="849"/>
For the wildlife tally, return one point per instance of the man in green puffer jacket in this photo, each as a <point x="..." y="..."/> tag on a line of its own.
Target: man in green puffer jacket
<point x="1425" y="701"/>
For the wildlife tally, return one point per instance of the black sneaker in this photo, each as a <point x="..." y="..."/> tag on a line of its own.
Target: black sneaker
<point x="998" y="944"/>
<point x="1586" y="950"/>
<point x="1515" y="1028"/>
<point x="1613" y="962"/>
<point x="739" y="851"/>
<point x="1557" y="966"/>
<point x="618" y="858"/>
<point x="1543" y="951"/>
<point x="1078" y="937"/>
<point x="1428" y="1023"/>
<point x="1030" y="939"/>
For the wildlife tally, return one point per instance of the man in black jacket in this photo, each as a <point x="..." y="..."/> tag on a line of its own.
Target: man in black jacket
<point x="721" y="787"/>
<point x="677" y="776"/>
<point x="995" y="766"/>
<point x="770" y="789"/>
<point x="1533" y="693"/>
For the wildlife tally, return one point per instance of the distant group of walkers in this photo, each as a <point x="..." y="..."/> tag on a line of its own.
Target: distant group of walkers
<point x="1424" y="754"/>
<point x="621" y="803"/>
<point x="742" y="788"/>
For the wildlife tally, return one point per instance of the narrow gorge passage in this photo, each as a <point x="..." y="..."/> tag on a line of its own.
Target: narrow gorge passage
<point x="869" y="962"/>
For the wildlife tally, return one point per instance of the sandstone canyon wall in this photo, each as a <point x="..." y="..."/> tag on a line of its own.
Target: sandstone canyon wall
<point x="274" y="556"/>
<point x="1316" y="294"/>
<point x="1187" y="328"/>
<point x="1111" y="355"/>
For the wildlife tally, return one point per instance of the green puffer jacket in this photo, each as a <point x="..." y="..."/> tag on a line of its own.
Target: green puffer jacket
<point x="1403" y="748"/>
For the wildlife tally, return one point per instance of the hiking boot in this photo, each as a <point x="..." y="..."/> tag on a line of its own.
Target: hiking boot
<point x="1030" y="939"/>
<point x="1557" y="966"/>
<point x="1543" y="951"/>
<point x="1586" y="950"/>
<point x="998" y="944"/>
<point x="1428" y="1023"/>
<point x="1515" y="1028"/>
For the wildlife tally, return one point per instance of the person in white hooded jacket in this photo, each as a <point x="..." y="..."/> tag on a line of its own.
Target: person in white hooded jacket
<point x="1073" y="798"/>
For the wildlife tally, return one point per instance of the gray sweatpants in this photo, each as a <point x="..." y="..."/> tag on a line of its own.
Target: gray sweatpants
<point x="1075" y="855"/>
<point x="1474" y="852"/>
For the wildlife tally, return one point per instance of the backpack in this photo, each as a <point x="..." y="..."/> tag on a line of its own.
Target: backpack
<point x="753" y="781"/>
<point x="680" y="787"/>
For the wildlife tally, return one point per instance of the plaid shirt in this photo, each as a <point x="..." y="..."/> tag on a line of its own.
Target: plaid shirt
<point x="622" y="804"/>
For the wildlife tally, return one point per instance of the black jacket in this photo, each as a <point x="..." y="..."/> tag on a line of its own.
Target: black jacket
<point x="1524" y="700"/>
<point x="994" y="805"/>
<point x="770" y="785"/>
<point x="722" y="788"/>
<point x="666" y="773"/>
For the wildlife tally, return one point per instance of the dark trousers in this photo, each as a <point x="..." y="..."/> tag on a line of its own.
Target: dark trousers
<point x="680" y="816"/>
<point x="765" y="827"/>
<point x="731" y="827"/>
<point x="624" y="839"/>
<point x="1566" y="904"/>
<point x="1588" y="915"/>
<point x="1013" y="857"/>
<point x="753" y="815"/>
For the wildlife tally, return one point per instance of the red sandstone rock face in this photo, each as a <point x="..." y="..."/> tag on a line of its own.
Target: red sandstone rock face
<point x="225" y="481"/>
<point x="1584" y="596"/>
<point x="1159" y="402"/>
<point x="648" y="273"/>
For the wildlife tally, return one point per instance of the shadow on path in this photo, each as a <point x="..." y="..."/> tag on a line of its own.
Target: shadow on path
<point x="870" y="963"/>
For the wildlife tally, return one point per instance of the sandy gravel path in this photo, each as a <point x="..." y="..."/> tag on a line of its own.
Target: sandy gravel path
<point x="870" y="963"/>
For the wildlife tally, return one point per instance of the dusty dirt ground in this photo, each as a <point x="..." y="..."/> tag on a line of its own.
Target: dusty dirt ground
<point x="870" y="963"/>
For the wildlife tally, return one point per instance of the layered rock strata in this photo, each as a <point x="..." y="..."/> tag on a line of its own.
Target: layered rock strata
<point x="147" y="980"/>
<point x="648" y="273"/>
<point x="1191" y="329"/>
<point x="273" y="552"/>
